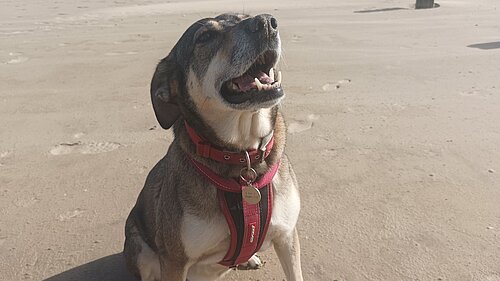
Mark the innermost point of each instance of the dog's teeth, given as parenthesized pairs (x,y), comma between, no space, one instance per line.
(234,86)
(278,81)
(259,85)
(271,74)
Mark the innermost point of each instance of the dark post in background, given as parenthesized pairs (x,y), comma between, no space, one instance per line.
(424,4)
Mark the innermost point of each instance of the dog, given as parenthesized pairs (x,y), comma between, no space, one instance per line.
(219,83)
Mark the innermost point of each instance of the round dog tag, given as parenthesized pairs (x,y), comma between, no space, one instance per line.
(251,194)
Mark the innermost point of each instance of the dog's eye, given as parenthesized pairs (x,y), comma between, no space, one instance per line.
(205,37)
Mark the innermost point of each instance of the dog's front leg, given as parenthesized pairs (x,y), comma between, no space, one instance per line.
(287,248)
(173,270)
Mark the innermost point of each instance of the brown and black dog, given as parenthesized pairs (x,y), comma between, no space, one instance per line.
(220,78)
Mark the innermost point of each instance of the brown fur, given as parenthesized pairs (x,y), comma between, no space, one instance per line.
(173,187)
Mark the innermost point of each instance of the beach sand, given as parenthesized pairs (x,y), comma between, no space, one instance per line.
(394,133)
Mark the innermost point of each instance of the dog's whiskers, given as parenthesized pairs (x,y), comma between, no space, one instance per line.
(282,58)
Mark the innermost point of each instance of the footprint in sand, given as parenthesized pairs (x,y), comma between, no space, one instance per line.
(26,202)
(4,155)
(334,86)
(16,58)
(84,148)
(78,135)
(120,53)
(301,125)
(71,214)
(474,92)
(296,38)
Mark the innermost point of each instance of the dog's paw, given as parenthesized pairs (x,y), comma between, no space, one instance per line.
(253,263)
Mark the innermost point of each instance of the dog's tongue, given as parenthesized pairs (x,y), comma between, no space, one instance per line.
(247,82)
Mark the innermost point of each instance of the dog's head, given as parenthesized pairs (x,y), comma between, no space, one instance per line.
(224,63)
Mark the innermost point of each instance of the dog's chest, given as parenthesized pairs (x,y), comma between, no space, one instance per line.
(207,240)
(286,209)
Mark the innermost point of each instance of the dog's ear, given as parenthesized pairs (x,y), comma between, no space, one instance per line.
(165,90)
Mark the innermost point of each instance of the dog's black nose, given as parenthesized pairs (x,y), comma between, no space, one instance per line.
(264,23)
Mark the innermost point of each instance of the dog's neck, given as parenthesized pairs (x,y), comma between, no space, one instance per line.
(243,130)
(206,128)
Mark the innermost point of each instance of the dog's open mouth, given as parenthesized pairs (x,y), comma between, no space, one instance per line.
(260,83)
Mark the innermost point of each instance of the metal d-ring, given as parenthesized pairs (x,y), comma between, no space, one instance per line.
(248,174)
(247,157)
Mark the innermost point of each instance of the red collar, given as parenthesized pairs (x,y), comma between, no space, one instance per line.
(207,150)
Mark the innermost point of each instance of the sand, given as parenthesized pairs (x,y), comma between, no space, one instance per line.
(394,134)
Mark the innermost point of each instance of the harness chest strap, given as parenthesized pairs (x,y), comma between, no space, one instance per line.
(248,223)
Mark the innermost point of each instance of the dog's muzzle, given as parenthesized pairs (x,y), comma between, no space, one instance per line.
(258,82)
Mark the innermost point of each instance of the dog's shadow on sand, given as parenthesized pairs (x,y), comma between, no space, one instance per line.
(110,268)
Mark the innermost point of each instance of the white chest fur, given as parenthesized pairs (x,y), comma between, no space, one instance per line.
(205,238)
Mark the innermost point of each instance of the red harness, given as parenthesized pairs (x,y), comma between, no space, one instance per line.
(248,223)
